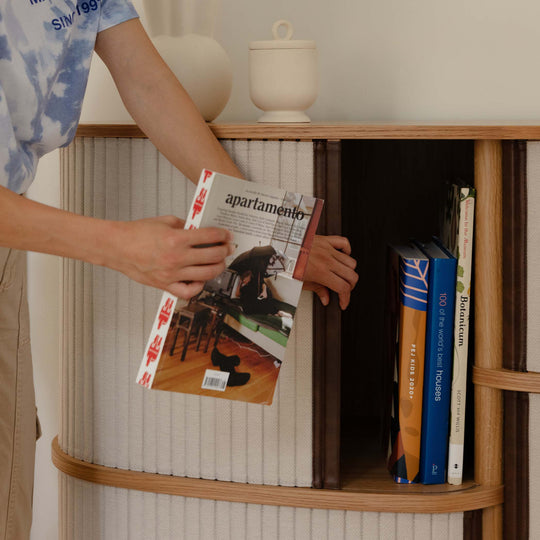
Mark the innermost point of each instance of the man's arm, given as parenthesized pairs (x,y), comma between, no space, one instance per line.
(164,111)
(158,102)
(157,252)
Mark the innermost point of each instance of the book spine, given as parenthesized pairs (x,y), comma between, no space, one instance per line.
(162,322)
(438,370)
(196,211)
(404,461)
(461,337)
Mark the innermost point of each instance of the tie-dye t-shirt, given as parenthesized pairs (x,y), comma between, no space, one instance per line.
(45,52)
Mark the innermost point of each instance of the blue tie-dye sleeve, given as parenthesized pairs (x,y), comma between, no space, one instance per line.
(114,12)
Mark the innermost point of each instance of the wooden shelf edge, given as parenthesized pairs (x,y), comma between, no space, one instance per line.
(336,131)
(472,498)
(507,379)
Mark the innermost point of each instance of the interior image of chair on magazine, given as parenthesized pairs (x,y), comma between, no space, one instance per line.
(192,319)
(257,268)
(266,330)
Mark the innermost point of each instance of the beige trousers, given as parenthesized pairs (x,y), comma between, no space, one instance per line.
(18,420)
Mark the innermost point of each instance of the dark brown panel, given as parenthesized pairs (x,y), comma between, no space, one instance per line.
(391,192)
(516,404)
(327,332)
(472,525)
(515,255)
(319,334)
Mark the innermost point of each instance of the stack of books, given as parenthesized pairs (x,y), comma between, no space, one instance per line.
(429,296)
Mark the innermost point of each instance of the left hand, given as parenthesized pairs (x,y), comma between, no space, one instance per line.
(330,267)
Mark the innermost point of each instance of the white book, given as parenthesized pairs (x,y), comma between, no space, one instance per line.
(457,236)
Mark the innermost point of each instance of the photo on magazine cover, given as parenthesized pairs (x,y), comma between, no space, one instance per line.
(230,340)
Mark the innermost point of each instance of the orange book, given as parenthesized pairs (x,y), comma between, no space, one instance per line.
(408,292)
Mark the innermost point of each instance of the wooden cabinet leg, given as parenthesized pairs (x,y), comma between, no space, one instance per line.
(488,324)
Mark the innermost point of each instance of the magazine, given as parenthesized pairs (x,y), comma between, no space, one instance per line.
(230,340)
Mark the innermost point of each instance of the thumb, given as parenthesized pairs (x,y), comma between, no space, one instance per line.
(185,290)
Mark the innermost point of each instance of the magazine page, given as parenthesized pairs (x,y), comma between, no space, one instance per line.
(230,340)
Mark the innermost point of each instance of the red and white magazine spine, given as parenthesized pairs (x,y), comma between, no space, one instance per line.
(156,342)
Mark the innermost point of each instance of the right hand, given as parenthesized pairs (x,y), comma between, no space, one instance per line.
(159,252)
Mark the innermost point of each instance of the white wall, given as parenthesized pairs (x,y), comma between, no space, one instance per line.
(380,60)
(389,60)
(43,297)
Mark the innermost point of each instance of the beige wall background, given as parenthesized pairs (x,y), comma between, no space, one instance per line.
(380,60)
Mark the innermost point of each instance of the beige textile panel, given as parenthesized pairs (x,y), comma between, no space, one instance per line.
(533,327)
(90,511)
(107,418)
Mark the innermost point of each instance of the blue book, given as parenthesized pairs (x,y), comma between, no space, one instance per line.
(438,363)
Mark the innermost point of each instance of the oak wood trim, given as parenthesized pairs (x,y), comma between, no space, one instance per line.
(471,498)
(337,131)
(488,324)
(507,379)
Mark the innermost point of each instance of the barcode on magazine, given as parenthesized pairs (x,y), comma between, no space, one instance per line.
(215,380)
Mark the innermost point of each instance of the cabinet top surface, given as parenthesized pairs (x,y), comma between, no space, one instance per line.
(339,130)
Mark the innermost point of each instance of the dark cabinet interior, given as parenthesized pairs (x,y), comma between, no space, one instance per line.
(389,192)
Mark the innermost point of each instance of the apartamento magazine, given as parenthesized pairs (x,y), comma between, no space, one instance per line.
(230,340)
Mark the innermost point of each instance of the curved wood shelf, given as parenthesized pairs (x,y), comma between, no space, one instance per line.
(470,497)
(506,379)
(336,131)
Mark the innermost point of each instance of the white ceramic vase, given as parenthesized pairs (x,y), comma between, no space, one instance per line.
(182,31)
(202,66)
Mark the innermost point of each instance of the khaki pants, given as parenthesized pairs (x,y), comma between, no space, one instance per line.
(18,420)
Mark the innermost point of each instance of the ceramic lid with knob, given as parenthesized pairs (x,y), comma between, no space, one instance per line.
(282,41)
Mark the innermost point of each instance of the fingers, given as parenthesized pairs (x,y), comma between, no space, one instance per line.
(209,235)
(322,292)
(342,284)
(185,290)
(330,267)
(344,300)
(339,242)
(199,273)
(208,255)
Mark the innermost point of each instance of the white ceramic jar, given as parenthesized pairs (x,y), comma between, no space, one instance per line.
(283,78)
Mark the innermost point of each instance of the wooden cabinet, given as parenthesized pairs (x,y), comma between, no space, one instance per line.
(380,184)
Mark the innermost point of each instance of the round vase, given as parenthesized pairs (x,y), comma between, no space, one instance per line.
(203,68)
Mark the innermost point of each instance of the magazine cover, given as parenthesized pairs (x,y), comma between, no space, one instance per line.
(230,340)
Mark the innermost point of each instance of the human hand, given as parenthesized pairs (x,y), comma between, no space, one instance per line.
(159,252)
(330,266)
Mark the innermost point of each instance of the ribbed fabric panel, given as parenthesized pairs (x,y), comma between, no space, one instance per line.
(92,512)
(533,254)
(108,419)
(533,326)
